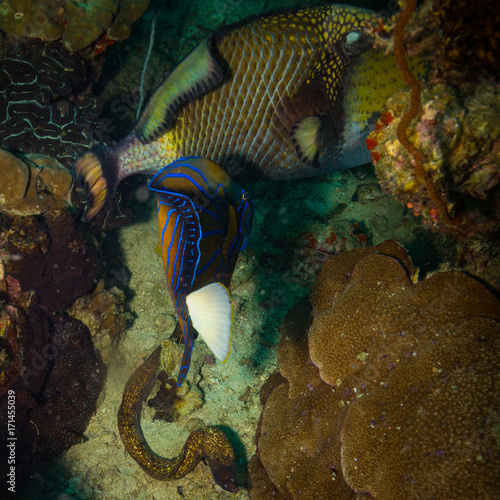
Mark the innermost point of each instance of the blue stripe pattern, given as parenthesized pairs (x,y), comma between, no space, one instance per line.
(204,220)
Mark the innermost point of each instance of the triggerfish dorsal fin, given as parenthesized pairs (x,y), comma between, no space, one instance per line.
(196,74)
(211,312)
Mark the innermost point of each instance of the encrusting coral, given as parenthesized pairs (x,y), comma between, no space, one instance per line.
(31,184)
(436,146)
(390,388)
(78,24)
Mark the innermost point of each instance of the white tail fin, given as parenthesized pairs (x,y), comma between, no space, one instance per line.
(211,312)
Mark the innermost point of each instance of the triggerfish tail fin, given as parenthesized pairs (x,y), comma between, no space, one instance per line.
(198,73)
(211,312)
(99,172)
(97,181)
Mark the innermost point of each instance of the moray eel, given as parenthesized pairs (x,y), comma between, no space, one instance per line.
(208,443)
(283,95)
(204,220)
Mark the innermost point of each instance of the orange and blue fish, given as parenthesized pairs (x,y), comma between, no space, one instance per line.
(204,220)
(283,95)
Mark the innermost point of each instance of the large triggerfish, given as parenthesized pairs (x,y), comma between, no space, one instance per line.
(204,220)
(277,96)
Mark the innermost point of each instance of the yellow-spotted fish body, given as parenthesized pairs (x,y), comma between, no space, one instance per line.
(204,220)
(264,98)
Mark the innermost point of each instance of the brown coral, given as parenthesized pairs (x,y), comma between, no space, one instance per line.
(450,389)
(78,24)
(32,184)
(408,393)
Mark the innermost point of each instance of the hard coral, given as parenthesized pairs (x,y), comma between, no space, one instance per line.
(25,18)
(391,392)
(450,390)
(45,105)
(31,184)
(78,24)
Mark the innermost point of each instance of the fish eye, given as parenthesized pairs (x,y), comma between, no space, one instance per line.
(354,43)
(245,196)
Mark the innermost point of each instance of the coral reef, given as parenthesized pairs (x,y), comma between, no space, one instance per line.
(79,24)
(436,146)
(103,312)
(460,39)
(47,260)
(32,184)
(56,375)
(45,103)
(458,134)
(46,106)
(388,387)
(54,256)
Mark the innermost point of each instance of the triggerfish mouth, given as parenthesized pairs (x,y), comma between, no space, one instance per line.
(204,220)
(283,95)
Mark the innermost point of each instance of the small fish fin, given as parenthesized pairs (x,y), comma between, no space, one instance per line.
(196,74)
(97,173)
(211,312)
(306,137)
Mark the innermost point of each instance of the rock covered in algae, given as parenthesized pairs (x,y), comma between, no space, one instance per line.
(391,392)
(102,311)
(458,134)
(78,24)
(31,184)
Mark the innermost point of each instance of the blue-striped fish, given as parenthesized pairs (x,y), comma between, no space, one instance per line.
(277,96)
(204,220)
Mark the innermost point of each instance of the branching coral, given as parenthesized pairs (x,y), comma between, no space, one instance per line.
(393,390)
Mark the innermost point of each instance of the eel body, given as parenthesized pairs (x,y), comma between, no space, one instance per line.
(208,443)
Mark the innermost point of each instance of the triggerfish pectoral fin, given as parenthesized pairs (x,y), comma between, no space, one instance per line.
(204,220)
(211,312)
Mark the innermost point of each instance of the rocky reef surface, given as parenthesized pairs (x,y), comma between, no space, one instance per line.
(387,387)
(81,305)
